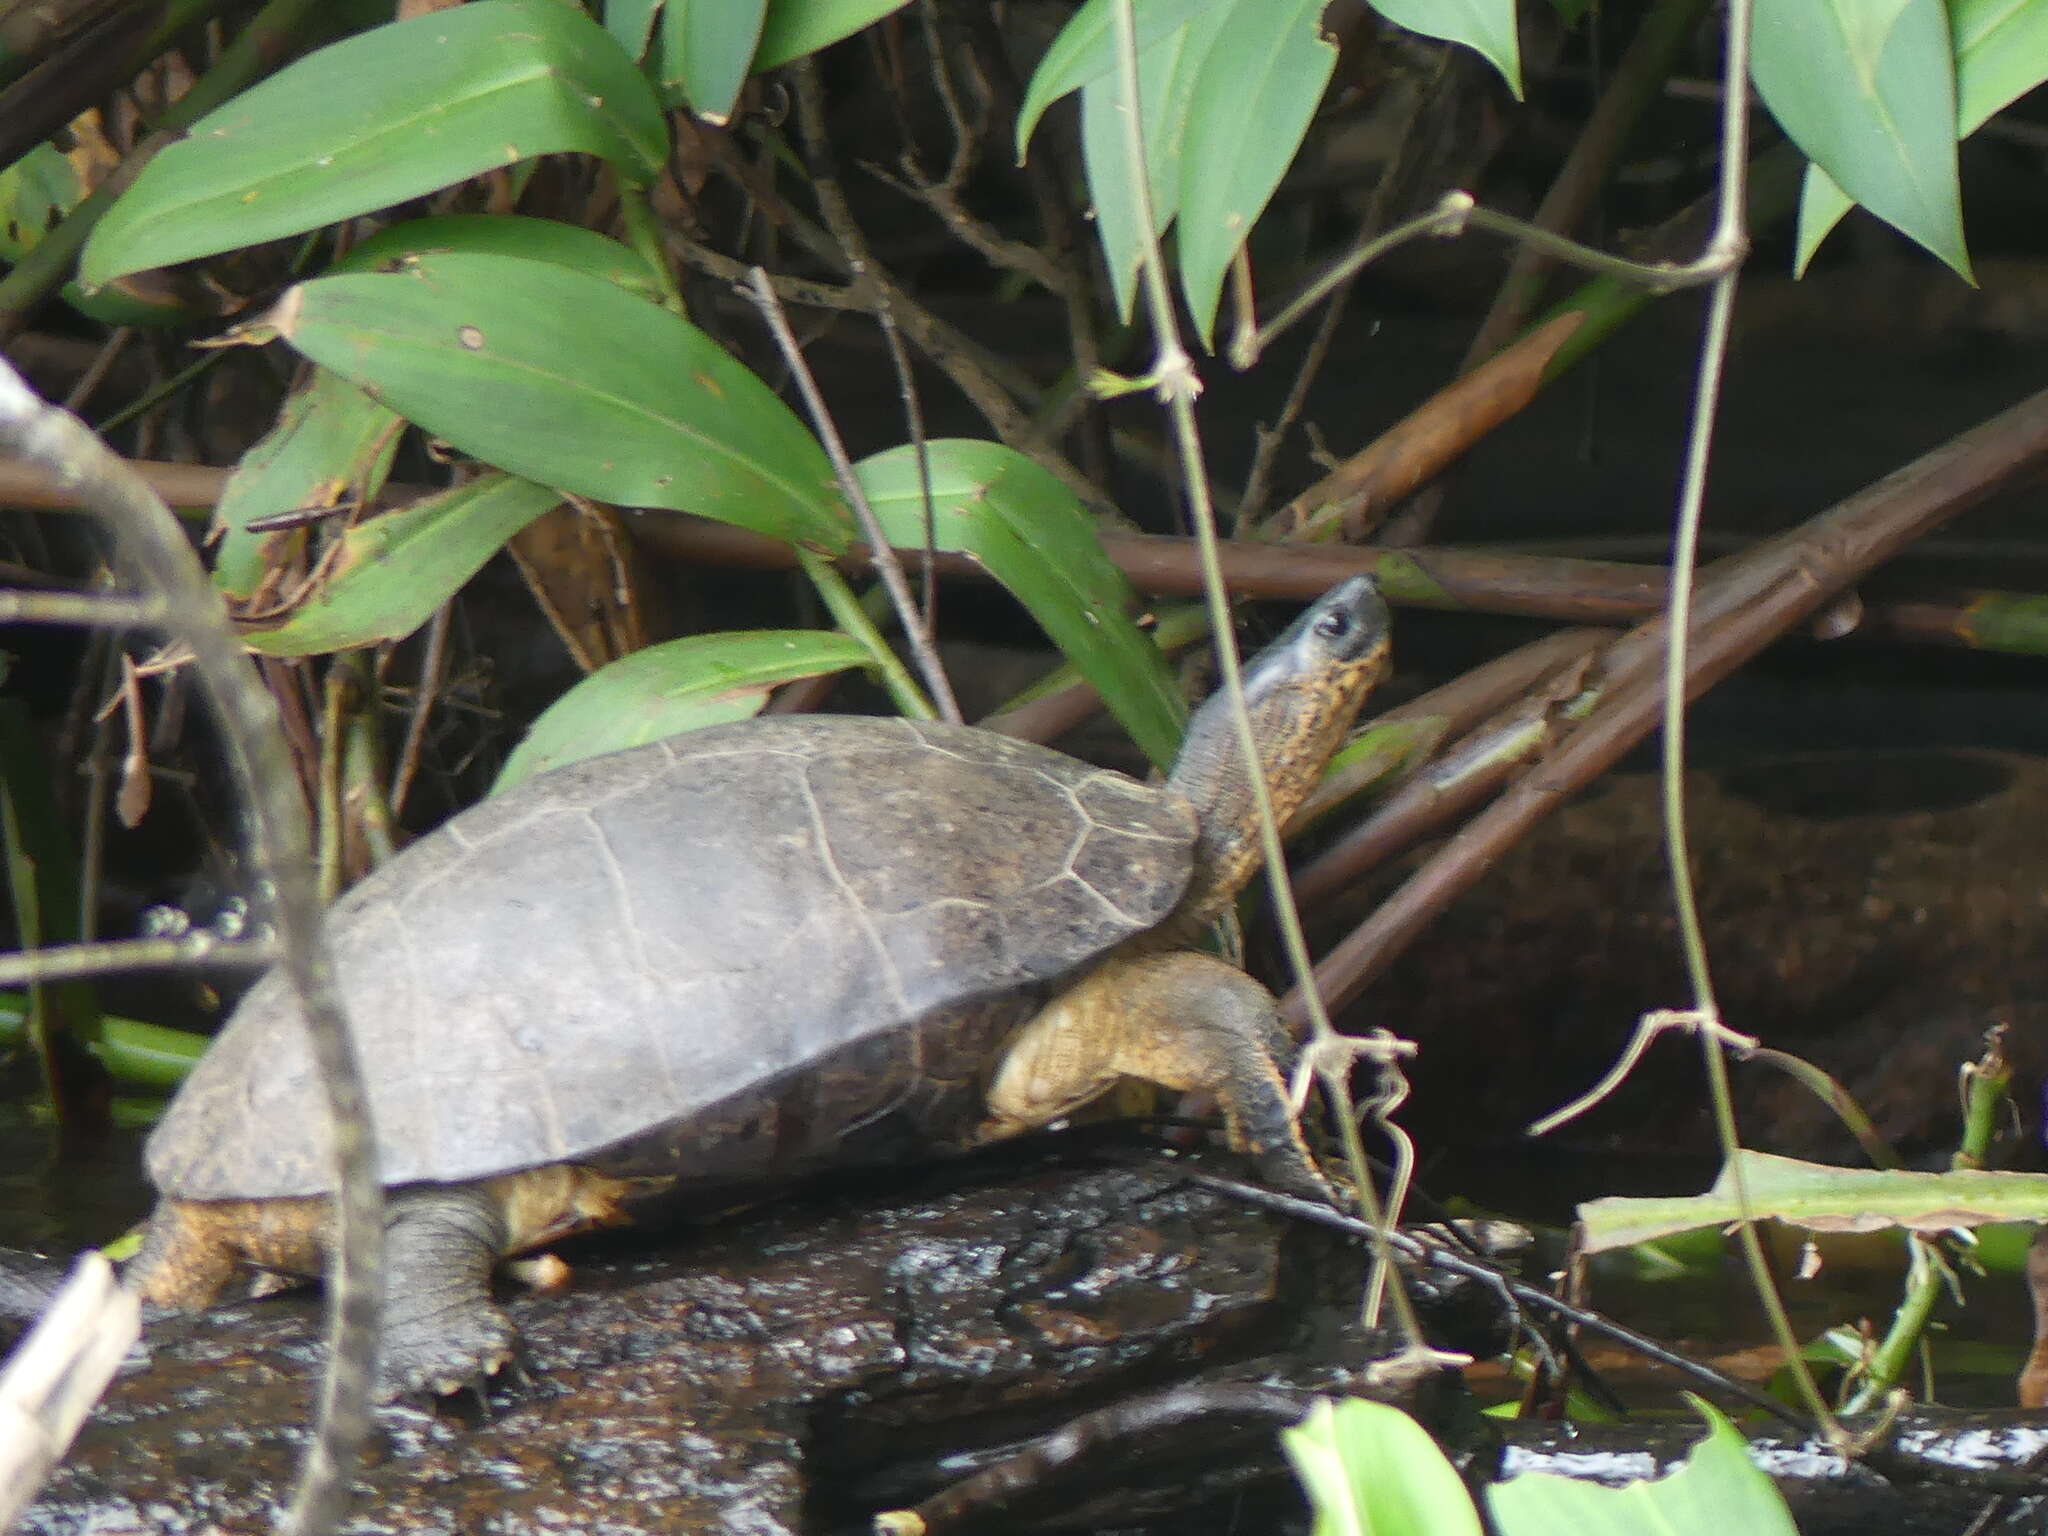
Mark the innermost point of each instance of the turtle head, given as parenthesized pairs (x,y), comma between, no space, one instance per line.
(1301,694)
(1321,669)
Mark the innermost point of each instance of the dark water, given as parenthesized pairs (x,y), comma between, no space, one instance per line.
(59,1204)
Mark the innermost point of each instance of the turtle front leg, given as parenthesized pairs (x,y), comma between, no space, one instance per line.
(442,1331)
(1183,1020)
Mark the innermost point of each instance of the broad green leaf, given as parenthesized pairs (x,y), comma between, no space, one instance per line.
(682,685)
(705,50)
(1370,1470)
(500,234)
(2001,53)
(561,377)
(382,117)
(1257,89)
(1824,1199)
(1085,50)
(1487,27)
(1039,541)
(2001,49)
(1866,89)
(794,28)
(1717,1491)
(393,570)
(631,22)
(332,443)
(1166,81)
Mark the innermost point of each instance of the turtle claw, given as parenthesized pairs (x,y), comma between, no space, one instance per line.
(460,1354)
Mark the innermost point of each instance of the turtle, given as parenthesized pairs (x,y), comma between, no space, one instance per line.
(689,973)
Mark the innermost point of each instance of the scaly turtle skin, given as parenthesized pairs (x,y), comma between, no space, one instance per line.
(702,968)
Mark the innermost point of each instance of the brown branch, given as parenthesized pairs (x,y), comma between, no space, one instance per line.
(1584,591)
(1606,304)
(433,673)
(1453,580)
(1361,490)
(999,251)
(1749,601)
(791,290)
(1480,705)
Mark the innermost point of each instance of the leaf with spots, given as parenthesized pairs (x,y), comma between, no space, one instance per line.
(561,376)
(386,575)
(332,444)
(504,234)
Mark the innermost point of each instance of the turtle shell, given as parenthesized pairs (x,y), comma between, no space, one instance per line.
(611,947)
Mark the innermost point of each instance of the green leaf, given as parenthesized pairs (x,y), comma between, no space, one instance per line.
(332,443)
(565,245)
(1166,81)
(1823,1199)
(1866,89)
(36,192)
(376,119)
(1085,50)
(682,685)
(1370,1470)
(393,570)
(705,51)
(1039,541)
(135,1054)
(1718,1490)
(2001,53)
(794,28)
(631,22)
(1821,207)
(1487,27)
(1256,91)
(2001,49)
(561,377)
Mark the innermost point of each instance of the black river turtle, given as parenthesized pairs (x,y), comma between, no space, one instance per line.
(699,968)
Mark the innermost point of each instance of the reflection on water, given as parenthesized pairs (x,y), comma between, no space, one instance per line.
(58,1205)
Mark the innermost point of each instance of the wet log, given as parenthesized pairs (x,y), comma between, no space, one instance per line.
(768,1375)
(799,1368)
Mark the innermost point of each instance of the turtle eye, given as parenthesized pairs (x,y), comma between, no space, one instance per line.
(1334,626)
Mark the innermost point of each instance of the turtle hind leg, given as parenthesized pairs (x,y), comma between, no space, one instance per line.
(193,1249)
(180,1263)
(442,1330)
(1183,1020)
